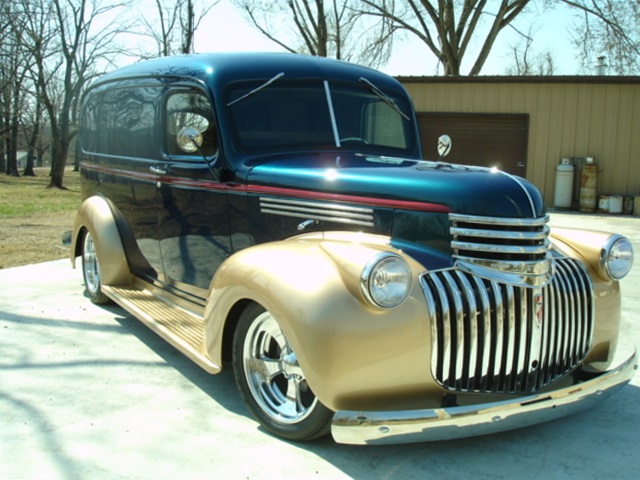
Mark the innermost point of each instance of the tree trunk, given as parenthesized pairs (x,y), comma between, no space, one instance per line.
(12,160)
(28,168)
(32,142)
(59,150)
(3,163)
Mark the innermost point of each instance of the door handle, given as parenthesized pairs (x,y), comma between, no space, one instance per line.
(158,169)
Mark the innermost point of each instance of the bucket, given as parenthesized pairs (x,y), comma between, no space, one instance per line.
(615,204)
(603,203)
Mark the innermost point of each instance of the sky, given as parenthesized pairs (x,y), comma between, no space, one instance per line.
(225,29)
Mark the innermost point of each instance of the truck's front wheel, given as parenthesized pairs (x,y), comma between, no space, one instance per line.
(271,381)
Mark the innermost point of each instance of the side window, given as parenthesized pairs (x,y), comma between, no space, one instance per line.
(89,126)
(122,122)
(189,121)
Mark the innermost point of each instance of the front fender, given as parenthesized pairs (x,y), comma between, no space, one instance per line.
(586,246)
(350,351)
(96,216)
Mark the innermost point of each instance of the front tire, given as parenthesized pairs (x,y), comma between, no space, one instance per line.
(271,382)
(91,272)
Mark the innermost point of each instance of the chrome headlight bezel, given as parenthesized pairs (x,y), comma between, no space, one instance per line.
(616,257)
(386,281)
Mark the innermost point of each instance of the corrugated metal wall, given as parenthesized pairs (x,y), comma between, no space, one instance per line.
(568,117)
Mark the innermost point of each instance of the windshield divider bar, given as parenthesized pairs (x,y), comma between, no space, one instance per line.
(332,114)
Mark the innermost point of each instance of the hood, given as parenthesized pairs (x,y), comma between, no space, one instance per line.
(458,188)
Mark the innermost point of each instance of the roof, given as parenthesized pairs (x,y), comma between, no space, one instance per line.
(221,68)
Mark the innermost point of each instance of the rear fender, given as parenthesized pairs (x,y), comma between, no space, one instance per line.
(96,216)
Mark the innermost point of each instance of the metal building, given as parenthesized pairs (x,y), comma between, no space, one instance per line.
(526,125)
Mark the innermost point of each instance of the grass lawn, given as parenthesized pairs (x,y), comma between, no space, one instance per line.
(34,217)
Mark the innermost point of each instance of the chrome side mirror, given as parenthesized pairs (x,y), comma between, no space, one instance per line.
(444,146)
(189,139)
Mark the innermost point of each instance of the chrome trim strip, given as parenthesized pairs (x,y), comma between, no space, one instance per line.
(506,235)
(513,222)
(482,247)
(411,426)
(514,273)
(329,212)
(512,250)
(526,192)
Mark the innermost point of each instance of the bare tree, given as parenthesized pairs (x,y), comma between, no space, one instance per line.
(331,28)
(66,39)
(14,67)
(174,28)
(610,28)
(527,62)
(32,131)
(457,29)
(450,27)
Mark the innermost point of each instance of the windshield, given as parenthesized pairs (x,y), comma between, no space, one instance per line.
(301,115)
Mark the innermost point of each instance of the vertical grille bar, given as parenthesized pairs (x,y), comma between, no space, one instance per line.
(471,326)
(460,349)
(510,326)
(498,327)
(488,336)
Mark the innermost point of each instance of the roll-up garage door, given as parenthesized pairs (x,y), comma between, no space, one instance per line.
(488,140)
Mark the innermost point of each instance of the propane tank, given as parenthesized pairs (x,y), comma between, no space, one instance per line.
(564,184)
(588,185)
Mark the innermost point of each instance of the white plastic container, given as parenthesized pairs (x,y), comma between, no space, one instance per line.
(615,204)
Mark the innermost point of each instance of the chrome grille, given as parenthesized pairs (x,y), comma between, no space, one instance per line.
(516,249)
(494,337)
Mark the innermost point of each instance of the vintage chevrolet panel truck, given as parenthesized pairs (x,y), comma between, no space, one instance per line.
(273,211)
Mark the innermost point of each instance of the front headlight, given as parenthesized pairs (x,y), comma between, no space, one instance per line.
(386,281)
(616,257)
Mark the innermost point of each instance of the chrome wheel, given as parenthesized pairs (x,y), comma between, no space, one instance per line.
(91,271)
(273,374)
(271,381)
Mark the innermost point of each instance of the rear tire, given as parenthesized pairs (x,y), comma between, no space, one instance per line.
(271,382)
(91,272)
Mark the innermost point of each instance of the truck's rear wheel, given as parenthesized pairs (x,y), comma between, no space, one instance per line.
(91,272)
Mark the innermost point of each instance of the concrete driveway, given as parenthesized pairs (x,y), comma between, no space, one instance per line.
(88,392)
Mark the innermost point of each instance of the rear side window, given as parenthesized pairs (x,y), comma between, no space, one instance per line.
(121,122)
(189,116)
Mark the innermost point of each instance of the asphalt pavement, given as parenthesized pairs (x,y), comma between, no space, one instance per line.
(88,392)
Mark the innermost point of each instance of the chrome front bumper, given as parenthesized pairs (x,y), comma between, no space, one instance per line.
(412,426)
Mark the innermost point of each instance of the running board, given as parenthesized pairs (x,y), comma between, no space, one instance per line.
(181,328)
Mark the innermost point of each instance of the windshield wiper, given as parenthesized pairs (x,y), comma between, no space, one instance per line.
(256,90)
(370,86)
